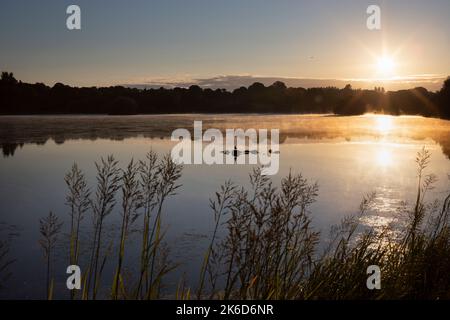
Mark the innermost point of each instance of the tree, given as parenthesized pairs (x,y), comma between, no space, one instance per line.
(256,87)
(444,99)
(8,78)
(279,85)
(24,98)
(123,106)
(348,88)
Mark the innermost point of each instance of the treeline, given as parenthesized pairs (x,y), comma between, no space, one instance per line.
(17,97)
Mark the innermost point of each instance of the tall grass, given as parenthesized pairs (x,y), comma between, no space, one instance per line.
(108,183)
(131,202)
(49,228)
(169,173)
(144,187)
(263,245)
(270,250)
(220,207)
(7,234)
(78,201)
(149,173)
(414,258)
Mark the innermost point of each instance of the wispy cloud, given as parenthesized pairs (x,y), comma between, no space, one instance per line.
(432,82)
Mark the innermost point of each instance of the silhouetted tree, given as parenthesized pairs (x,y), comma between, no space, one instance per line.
(123,106)
(444,99)
(8,78)
(23,98)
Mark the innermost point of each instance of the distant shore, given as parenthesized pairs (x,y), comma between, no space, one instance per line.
(18,98)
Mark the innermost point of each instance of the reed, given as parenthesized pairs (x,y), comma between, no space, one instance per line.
(149,174)
(262,245)
(78,200)
(169,174)
(108,183)
(144,186)
(7,234)
(131,203)
(270,250)
(220,207)
(412,255)
(49,228)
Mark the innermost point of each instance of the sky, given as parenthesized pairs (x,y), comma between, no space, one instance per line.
(229,42)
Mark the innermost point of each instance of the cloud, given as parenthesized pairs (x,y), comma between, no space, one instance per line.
(231,82)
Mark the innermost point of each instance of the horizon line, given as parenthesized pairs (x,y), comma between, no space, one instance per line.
(432,82)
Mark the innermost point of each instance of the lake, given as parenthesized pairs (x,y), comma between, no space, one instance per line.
(348,157)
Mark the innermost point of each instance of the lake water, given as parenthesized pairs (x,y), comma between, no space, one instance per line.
(348,157)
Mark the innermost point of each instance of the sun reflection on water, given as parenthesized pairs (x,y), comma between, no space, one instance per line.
(384,157)
(384,124)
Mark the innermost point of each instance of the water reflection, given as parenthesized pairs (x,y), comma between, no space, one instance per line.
(15,131)
(348,157)
(384,157)
(384,124)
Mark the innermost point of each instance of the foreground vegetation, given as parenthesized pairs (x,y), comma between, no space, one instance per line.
(267,248)
(271,250)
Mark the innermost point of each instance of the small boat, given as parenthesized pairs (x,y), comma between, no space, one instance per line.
(235,152)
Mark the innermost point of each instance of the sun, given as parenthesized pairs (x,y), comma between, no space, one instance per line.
(385,66)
